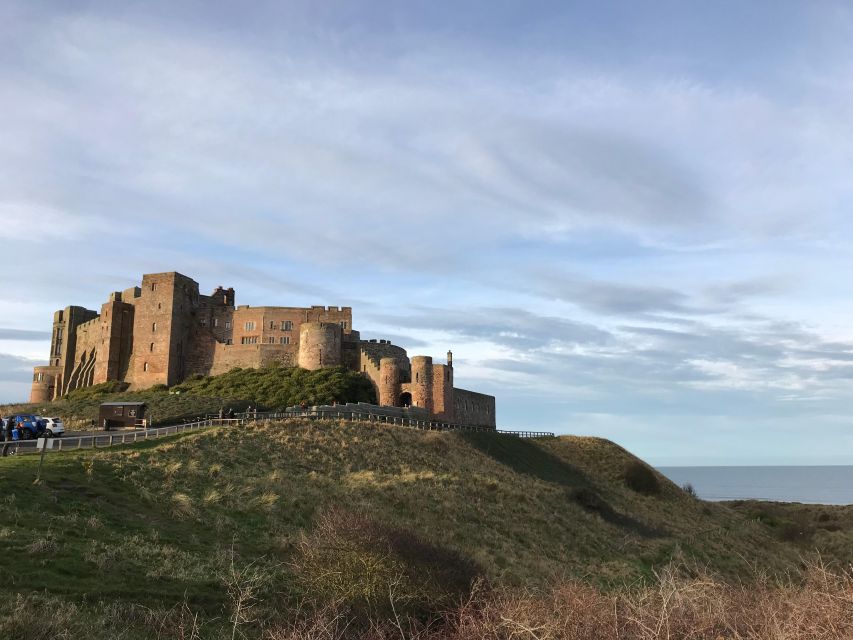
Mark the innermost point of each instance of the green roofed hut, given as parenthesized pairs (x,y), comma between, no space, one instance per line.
(115,415)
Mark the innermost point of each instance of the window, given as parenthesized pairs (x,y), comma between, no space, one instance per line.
(153,286)
(286,325)
(249,340)
(272,324)
(284,340)
(203,322)
(249,326)
(153,327)
(145,366)
(151,347)
(271,339)
(344,325)
(216,322)
(227,324)
(229,341)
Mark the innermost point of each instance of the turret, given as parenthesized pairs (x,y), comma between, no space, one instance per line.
(389,382)
(421,385)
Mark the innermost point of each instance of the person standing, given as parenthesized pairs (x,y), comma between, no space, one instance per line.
(7,435)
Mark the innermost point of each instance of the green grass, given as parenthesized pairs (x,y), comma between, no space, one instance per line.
(267,388)
(166,522)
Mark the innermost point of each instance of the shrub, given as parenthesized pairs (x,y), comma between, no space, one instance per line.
(374,569)
(689,490)
(638,477)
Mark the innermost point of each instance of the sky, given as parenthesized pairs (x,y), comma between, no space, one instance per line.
(628,220)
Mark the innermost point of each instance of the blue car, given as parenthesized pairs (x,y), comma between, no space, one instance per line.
(27,426)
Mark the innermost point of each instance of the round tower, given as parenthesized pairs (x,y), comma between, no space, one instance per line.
(44,385)
(320,345)
(422,382)
(389,382)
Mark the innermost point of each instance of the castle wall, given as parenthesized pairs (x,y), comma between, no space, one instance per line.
(86,339)
(472,408)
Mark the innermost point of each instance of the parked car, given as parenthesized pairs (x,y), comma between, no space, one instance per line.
(54,427)
(30,425)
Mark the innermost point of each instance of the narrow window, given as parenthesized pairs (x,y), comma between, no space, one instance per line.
(145,367)
(151,347)
(227,324)
(153,327)
(344,325)
(153,286)
(216,322)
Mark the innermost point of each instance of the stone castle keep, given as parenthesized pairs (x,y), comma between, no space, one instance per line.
(164,331)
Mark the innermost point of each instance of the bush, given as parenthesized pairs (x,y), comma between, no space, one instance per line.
(374,569)
(638,477)
(689,490)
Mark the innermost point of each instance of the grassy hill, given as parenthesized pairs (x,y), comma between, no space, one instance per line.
(267,388)
(246,524)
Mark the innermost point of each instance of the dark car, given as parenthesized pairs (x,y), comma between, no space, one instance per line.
(29,425)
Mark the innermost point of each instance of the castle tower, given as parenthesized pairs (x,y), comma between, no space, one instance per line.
(442,389)
(44,384)
(389,382)
(161,325)
(320,345)
(421,385)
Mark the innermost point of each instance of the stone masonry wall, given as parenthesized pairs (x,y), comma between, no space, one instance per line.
(472,408)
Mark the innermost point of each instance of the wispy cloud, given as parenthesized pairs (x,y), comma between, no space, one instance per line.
(589,207)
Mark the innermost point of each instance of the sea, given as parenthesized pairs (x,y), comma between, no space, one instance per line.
(812,485)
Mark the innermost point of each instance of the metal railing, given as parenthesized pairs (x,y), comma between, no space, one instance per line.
(366,415)
(107,439)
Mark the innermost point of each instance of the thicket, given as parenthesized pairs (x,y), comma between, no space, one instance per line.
(681,603)
(268,388)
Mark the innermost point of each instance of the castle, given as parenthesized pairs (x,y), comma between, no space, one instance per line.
(164,331)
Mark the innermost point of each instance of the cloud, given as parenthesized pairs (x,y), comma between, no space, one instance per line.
(610,227)
(509,327)
(23,334)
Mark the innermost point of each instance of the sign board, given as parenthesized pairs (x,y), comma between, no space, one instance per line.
(44,443)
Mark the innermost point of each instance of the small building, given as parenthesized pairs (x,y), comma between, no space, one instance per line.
(114,415)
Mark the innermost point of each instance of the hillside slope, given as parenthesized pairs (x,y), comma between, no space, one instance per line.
(333,510)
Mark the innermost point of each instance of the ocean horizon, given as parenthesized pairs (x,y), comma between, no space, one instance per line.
(809,484)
